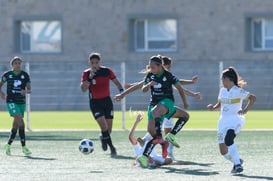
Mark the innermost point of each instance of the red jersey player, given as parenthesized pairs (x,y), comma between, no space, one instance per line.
(96,79)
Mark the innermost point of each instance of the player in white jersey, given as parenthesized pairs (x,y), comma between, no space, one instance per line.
(139,145)
(231,120)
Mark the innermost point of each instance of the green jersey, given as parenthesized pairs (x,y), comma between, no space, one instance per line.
(163,89)
(15,83)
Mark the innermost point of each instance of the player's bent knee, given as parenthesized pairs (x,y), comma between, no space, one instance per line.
(229,138)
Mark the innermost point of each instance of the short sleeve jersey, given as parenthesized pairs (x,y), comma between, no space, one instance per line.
(231,101)
(163,89)
(99,83)
(15,83)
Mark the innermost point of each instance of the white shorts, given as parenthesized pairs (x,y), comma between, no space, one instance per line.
(225,123)
(168,123)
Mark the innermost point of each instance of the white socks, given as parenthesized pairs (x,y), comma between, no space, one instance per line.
(233,152)
(170,148)
(228,156)
(147,137)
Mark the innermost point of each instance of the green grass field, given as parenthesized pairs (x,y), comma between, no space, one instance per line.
(84,120)
(55,156)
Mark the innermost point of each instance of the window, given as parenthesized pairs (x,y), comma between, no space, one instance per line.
(40,36)
(155,34)
(262,34)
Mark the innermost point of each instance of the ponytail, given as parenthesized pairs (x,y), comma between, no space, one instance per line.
(233,76)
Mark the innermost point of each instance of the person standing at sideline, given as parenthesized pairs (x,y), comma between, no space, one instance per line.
(96,79)
(18,85)
(231,120)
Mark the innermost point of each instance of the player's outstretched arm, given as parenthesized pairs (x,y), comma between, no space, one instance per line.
(187,82)
(214,107)
(131,89)
(182,95)
(197,95)
(132,138)
(250,103)
(147,86)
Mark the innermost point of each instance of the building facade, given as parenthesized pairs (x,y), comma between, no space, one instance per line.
(54,36)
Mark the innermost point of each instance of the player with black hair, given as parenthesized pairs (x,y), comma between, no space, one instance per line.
(231,120)
(96,79)
(18,85)
(160,82)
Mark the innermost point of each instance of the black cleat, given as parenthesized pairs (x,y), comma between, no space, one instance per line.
(103,144)
(237,169)
(113,151)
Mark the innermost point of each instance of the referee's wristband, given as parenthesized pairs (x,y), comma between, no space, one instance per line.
(121,90)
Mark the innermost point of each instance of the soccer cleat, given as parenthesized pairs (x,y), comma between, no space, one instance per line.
(26,151)
(113,151)
(171,138)
(143,161)
(238,168)
(164,147)
(103,144)
(7,148)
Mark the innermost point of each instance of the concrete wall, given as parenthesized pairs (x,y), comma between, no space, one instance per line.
(209,31)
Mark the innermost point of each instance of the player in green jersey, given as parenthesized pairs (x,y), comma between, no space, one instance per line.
(160,82)
(18,85)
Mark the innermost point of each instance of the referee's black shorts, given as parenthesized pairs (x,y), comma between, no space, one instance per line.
(102,107)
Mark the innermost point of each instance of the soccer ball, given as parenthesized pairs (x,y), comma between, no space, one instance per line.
(86,146)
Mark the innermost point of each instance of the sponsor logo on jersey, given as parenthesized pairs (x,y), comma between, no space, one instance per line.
(157,86)
(17,83)
(10,76)
(22,77)
(230,101)
(164,79)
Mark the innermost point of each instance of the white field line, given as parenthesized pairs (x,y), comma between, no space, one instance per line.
(52,130)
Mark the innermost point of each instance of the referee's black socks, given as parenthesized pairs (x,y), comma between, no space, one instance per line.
(107,138)
(179,125)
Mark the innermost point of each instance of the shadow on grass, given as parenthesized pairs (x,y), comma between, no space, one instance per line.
(40,158)
(191,163)
(96,171)
(199,172)
(123,157)
(254,177)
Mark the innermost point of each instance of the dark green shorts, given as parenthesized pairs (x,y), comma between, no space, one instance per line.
(14,108)
(168,103)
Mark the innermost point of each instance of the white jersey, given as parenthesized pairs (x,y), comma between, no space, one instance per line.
(231,103)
